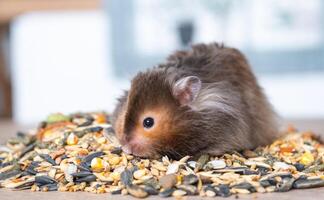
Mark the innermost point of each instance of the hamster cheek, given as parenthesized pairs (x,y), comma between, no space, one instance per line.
(119,127)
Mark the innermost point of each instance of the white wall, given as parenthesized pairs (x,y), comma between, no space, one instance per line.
(296,95)
(61,63)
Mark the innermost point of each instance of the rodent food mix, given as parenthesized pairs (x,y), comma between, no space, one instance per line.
(79,152)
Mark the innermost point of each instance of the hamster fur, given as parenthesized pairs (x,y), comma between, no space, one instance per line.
(204,100)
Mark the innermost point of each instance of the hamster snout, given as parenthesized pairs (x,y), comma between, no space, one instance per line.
(136,145)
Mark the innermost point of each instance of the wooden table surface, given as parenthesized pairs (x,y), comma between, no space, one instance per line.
(9,9)
(8,129)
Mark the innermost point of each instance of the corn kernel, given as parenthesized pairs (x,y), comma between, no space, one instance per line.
(307,158)
(179,178)
(101,118)
(97,164)
(72,139)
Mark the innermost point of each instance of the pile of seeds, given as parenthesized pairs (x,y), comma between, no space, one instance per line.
(80,153)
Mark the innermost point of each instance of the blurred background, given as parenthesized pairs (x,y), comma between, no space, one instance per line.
(78,55)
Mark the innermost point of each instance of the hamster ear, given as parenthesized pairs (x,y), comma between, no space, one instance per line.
(186,89)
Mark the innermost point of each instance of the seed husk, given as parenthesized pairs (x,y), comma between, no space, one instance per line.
(190,179)
(286,185)
(137,191)
(173,168)
(9,174)
(126,177)
(314,169)
(43,180)
(31,168)
(48,158)
(117,150)
(245,185)
(239,170)
(27,149)
(24,186)
(150,190)
(84,167)
(152,182)
(88,122)
(118,191)
(216,164)
(210,193)
(308,183)
(87,179)
(190,189)
(203,159)
(93,129)
(266,183)
(89,157)
(300,167)
(168,181)
(166,192)
(81,174)
(223,191)
(209,187)
(49,187)
(139,174)
(249,172)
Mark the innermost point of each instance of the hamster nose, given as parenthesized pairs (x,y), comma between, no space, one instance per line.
(127,149)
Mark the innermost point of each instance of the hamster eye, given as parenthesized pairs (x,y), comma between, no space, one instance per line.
(148,122)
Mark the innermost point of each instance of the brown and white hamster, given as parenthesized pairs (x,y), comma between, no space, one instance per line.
(204,100)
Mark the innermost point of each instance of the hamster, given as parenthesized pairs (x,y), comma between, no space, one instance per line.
(204,100)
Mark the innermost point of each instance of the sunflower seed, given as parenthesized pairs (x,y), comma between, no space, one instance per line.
(308,183)
(43,180)
(286,185)
(126,177)
(190,179)
(81,174)
(166,192)
(223,190)
(314,169)
(190,189)
(150,190)
(88,158)
(9,174)
(49,187)
(87,179)
(47,158)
